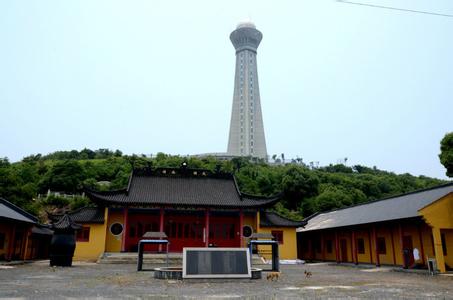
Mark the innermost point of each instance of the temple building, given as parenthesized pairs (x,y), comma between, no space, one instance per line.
(21,236)
(404,230)
(194,208)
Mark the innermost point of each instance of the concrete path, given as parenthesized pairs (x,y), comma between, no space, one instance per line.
(105,281)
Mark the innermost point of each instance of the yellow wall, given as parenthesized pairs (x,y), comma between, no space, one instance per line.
(427,240)
(369,255)
(328,256)
(364,257)
(386,230)
(102,240)
(449,243)
(347,237)
(95,246)
(249,220)
(323,238)
(439,213)
(113,242)
(287,250)
(386,234)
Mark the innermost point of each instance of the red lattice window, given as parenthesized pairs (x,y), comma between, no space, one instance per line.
(83,235)
(2,241)
(382,249)
(361,246)
(329,246)
(278,235)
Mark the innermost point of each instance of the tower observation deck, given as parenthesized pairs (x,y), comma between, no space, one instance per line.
(246,128)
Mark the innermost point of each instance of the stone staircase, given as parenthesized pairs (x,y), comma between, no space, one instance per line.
(131,258)
(153,258)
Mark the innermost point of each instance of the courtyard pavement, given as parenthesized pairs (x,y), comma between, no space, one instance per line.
(107,281)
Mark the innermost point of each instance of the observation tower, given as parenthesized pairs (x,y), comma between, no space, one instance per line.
(246,136)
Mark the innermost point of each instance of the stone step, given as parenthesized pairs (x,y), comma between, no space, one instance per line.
(154,258)
(131,258)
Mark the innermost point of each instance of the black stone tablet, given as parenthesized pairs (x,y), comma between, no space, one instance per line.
(216,263)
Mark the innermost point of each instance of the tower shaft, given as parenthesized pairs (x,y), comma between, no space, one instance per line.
(246,136)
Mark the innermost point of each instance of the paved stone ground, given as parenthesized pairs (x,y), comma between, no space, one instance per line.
(87,280)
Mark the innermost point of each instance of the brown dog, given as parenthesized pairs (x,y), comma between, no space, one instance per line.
(273,276)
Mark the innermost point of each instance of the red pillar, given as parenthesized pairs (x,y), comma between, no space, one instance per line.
(354,248)
(241,224)
(206,226)
(393,245)
(323,247)
(371,249)
(310,246)
(400,230)
(376,250)
(161,224)
(161,219)
(125,228)
(25,243)
(432,241)
(422,250)
(337,247)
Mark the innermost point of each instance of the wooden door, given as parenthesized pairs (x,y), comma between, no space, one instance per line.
(343,250)
(408,250)
(185,231)
(138,225)
(223,231)
(18,244)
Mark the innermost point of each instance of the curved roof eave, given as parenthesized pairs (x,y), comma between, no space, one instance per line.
(100,198)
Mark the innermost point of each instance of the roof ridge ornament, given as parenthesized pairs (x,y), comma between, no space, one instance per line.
(66,224)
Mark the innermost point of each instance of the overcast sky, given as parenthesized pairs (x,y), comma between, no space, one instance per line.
(336,80)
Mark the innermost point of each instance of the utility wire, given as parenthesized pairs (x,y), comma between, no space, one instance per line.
(395,8)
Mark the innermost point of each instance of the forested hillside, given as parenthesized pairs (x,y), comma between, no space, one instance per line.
(306,189)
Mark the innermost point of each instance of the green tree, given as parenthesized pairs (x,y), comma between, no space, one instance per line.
(298,183)
(446,153)
(87,154)
(333,197)
(306,190)
(64,176)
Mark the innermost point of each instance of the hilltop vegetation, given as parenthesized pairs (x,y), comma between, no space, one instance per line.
(446,153)
(306,189)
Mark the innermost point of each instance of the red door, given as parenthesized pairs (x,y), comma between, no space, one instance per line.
(344,250)
(18,244)
(408,250)
(223,231)
(185,231)
(138,225)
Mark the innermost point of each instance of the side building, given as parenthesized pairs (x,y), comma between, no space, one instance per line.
(404,230)
(21,236)
(195,208)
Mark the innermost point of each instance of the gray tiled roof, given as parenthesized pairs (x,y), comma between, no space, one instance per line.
(12,212)
(66,223)
(88,215)
(394,208)
(41,230)
(181,190)
(83,215)
(271,219)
